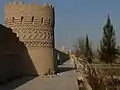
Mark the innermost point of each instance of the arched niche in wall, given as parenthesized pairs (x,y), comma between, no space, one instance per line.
(13,19)
(42,20)
(22,19)
(32,19)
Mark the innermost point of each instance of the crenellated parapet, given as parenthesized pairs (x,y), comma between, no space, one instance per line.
(18,13)
(33,8)
(31,5)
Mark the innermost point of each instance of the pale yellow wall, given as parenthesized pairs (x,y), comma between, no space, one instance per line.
(43,59)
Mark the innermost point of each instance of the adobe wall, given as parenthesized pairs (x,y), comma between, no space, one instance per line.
(34,25)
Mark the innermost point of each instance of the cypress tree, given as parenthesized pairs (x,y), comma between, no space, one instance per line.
(108,51)
(88,50)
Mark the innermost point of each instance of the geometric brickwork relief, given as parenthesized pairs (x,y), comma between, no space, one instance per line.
(38,43)
(33,25)
(32,35)
(35,37)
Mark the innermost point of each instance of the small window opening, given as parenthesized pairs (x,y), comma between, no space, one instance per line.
(41,20)
(32,19)
(22,19)
(49,21)
(13,19)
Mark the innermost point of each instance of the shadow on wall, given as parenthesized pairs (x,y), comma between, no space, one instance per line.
(61,57)
(15,61)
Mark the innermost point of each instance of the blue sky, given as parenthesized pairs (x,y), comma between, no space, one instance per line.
(76,18)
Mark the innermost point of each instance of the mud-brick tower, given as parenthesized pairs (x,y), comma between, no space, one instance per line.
(34,25)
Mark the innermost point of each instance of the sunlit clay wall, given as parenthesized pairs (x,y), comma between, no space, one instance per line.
(34,25)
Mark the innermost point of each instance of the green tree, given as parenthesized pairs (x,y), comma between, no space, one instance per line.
(108,51)
(88,50)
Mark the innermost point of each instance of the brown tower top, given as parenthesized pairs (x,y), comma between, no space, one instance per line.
(33,24)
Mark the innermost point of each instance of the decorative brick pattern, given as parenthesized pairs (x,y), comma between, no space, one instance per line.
(33,24)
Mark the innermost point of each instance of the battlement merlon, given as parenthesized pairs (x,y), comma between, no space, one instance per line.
(45,5)
(33,9)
